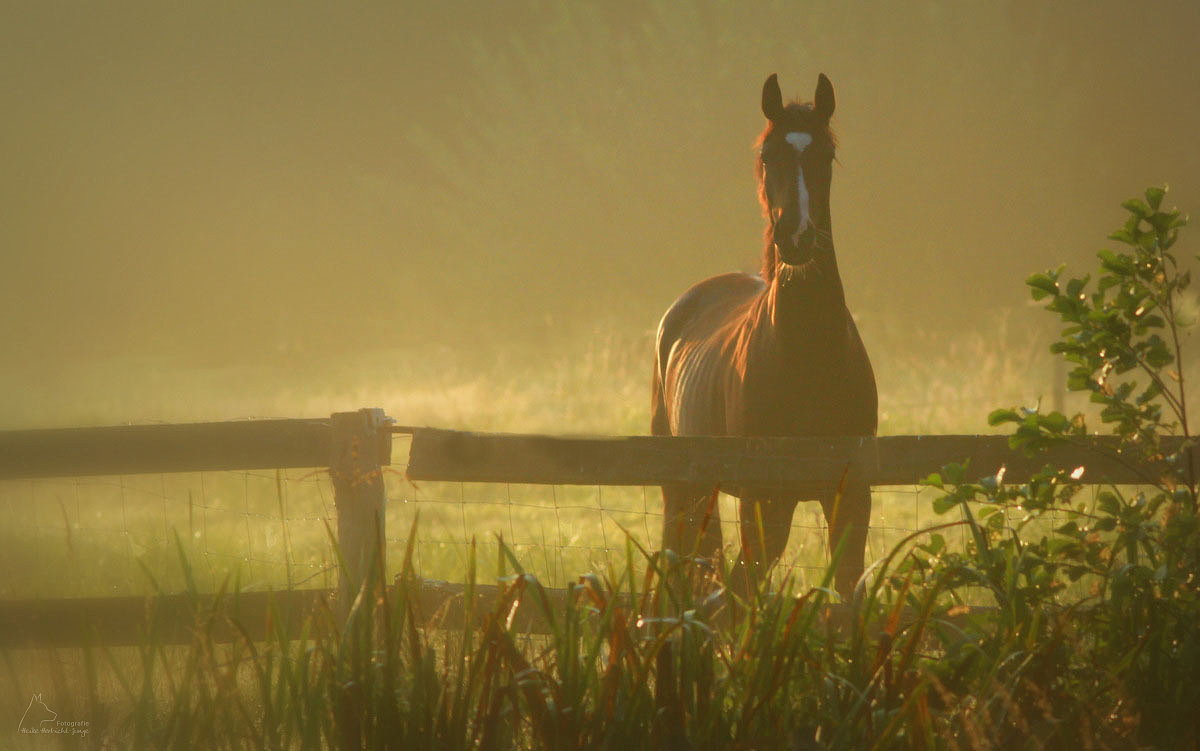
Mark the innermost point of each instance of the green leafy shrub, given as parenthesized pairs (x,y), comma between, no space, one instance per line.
(1098,621)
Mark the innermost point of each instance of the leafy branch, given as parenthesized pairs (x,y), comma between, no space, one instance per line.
(1123,576)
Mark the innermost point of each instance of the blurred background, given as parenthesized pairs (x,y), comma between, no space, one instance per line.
(218,210)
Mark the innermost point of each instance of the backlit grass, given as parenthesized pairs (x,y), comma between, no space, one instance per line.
(92,535)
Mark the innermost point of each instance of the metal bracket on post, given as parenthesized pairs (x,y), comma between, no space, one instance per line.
(361,447)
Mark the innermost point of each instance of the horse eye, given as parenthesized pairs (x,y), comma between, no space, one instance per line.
(769,154)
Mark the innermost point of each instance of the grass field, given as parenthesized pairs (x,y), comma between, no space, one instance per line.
(271,529)
(1089,638)
(86,536)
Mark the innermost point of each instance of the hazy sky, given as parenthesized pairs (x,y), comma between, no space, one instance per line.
(214,181)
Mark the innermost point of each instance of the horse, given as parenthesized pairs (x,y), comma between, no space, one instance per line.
(771,354)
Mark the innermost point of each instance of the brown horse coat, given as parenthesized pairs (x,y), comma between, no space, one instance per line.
(776,354)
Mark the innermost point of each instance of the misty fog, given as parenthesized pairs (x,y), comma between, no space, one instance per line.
(272,185)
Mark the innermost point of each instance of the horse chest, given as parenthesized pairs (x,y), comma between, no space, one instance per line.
(778,398)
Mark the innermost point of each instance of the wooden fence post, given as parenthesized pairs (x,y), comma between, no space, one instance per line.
(360,450)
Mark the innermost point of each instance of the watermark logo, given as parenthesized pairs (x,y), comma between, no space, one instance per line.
(40,718)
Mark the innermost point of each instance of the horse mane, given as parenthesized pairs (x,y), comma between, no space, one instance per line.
(799,114)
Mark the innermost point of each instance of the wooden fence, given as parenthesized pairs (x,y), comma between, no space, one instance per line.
(356,446)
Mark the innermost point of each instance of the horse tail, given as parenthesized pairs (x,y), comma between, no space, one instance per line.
(660,422)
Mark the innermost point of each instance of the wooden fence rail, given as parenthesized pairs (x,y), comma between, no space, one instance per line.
(145,449)
(260,616)
(355,446)
(796,465)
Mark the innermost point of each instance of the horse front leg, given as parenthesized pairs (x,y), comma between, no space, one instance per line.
(691,530)
(764,526)
(848,516)
(691,521)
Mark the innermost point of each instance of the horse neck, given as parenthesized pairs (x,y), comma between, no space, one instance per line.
(806,302)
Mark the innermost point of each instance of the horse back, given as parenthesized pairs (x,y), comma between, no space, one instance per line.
(721,369)
(695,350)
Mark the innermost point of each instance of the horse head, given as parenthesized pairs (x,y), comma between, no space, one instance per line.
(794,170)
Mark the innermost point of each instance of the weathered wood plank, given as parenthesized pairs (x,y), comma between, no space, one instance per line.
(136,449)
(261,616)
(361,502)
(163,619)
(801,465)
(174,618)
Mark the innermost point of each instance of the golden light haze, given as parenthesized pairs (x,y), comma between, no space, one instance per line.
(199,185)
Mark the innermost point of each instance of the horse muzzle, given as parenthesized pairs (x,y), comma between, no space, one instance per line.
(796,248)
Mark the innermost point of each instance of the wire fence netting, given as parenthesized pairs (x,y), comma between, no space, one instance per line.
(262,530)
(133,534)
(119,535)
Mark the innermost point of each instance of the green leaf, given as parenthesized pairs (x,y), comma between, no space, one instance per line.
(1055,422)
(1154,196)
(1120,264)
(944,503)
(1152,391)
(1108,503)
(1043,285)
(1075,286)
(1080,379)
(1000,416)
(954,473)
(1070,529)
(1123,235)
(1151,322)
(1137,207)
(1158,354)
(1161,221)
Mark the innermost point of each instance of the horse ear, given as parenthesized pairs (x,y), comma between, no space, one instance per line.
(823,100)
(772,99)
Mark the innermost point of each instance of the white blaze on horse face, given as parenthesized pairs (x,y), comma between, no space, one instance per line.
(800,142)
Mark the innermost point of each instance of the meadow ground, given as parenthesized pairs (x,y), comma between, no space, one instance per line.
(271,529)
(91,536)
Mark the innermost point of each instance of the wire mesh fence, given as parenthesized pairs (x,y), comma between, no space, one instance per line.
(133,534)
(258,530)
(275,530)
(560,532)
